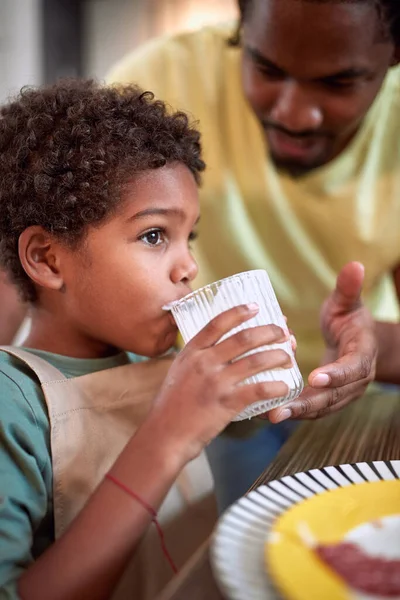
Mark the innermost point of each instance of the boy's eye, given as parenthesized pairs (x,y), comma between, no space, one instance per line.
(153,237)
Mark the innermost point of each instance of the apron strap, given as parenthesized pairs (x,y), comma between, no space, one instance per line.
(43,370)
(46,373)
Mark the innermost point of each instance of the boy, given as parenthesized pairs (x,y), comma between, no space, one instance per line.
(98,204)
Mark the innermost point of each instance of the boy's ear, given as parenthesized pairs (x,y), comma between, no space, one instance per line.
(39,258)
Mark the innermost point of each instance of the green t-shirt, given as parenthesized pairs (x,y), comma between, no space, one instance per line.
(26,493)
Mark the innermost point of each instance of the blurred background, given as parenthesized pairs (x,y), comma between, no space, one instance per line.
(42,40)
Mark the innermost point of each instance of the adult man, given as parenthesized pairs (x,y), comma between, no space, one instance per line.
(300,120)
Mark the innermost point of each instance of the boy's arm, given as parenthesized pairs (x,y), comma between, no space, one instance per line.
(97,547)
(149,467)
(198,398)
(25,486)
(25,478)
(12,311)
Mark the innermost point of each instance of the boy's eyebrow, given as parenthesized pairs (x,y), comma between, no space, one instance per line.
(158,211)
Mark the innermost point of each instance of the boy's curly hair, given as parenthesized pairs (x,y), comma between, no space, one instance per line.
(65,151)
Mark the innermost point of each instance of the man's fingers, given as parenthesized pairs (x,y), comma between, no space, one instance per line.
(348,287)
(314,403)
(346,370)
(353,392)
(310,401)
(326,411)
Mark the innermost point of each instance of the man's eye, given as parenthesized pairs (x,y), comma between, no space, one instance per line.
(155,237)
(269,74)
(340,84)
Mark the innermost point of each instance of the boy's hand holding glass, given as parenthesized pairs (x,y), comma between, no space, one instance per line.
(202,393)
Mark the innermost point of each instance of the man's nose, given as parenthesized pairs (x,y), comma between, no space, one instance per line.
(295,110)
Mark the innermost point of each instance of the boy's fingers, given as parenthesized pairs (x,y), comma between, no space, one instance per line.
(258,362)
(222,324)
(249,339)
(257,392)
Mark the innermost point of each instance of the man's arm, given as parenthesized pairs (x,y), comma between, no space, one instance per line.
(388,334)
(12,311)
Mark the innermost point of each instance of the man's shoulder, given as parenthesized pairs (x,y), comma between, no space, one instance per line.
(178,49)
(386,126)
(391,91)
(394,77)
(219,34)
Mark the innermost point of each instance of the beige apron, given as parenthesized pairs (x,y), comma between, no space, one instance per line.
(91,419)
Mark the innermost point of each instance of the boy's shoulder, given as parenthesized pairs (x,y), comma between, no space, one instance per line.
(20,391)
(14,369)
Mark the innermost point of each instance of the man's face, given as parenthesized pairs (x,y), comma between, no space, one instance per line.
(310,72)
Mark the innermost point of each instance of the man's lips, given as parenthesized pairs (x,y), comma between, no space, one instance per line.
(291,146)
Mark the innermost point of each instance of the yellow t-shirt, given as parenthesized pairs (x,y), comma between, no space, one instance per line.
(302,231)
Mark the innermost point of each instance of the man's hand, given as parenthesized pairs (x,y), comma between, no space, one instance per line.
(349,333)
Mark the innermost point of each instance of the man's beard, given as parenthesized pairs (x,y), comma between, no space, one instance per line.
(294,167)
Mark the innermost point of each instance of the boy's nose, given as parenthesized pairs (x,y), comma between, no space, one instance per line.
(184,271)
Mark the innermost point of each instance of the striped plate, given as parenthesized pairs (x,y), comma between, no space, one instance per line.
(237,551)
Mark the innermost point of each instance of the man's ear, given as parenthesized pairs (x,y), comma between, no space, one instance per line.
(39,258)
(396,57)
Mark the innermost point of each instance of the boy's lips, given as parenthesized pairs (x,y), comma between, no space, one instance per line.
(168,306)
(172,320)
(167,311)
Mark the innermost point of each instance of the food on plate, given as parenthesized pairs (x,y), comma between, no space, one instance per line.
(339,545)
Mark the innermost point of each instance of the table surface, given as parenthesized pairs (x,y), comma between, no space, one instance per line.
(368,430)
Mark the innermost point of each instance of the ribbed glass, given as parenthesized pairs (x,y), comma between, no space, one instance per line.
(194,311)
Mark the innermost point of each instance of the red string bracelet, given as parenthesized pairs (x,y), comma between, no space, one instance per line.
(150,510)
